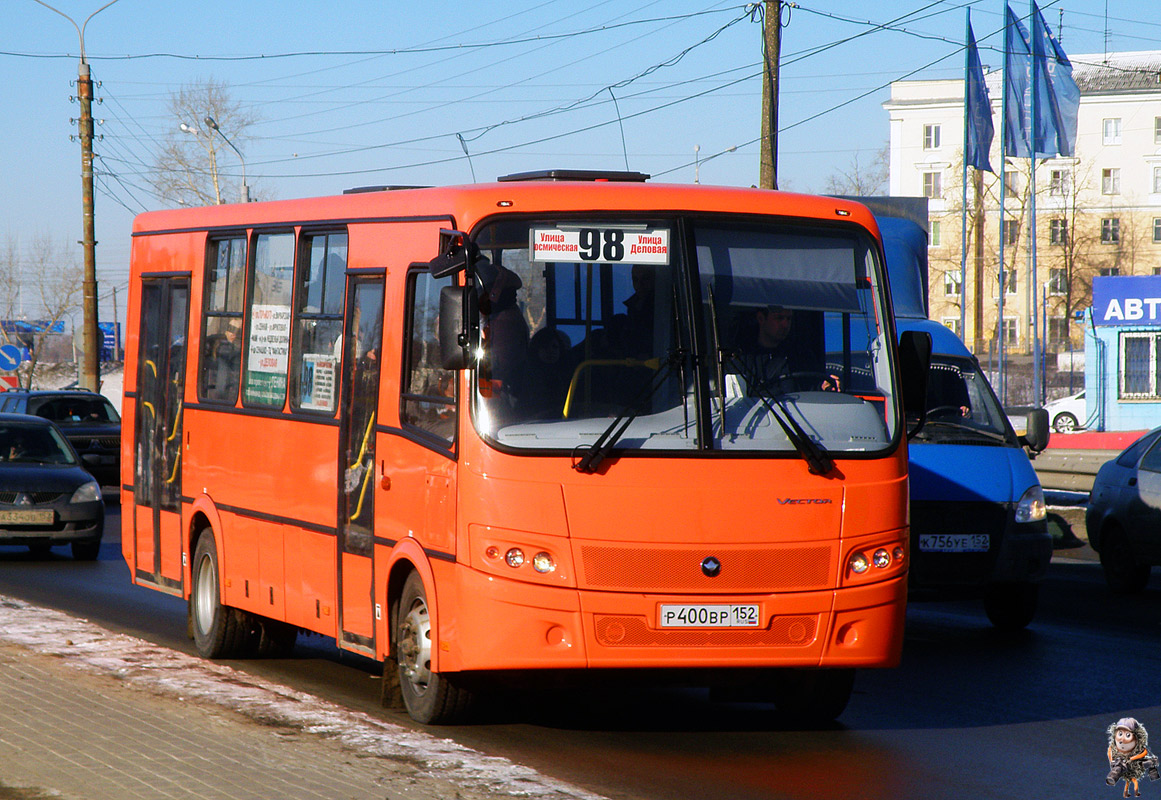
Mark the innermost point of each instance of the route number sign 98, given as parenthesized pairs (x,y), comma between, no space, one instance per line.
(612,245)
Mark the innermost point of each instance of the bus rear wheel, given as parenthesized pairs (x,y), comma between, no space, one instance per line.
(431,698)
(218,631)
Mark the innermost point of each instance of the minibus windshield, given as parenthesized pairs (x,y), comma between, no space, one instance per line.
(961,407)
(697,334)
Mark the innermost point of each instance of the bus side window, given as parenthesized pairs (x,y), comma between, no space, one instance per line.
(428,401)
(222,320)
(314,365)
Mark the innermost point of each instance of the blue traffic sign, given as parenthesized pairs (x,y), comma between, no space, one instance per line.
(10,357)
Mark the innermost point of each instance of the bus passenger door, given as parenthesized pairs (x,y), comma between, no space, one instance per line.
(362,337)
(158,432)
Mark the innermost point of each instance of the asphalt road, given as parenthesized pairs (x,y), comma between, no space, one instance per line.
(970,714)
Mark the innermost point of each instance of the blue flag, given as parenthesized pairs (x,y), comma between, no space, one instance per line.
(1058,96)
(977,109)
(1017,76)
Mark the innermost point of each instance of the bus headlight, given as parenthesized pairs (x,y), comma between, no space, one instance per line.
(514,557)
(859,563)
(1031,507)
(542,562)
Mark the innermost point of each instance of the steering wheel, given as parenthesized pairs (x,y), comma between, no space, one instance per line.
(945,411)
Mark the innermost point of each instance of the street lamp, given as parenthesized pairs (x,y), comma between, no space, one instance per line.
(697,163)
(90,377)
(213,125)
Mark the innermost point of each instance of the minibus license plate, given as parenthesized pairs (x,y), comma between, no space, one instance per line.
(954,543)
(710,616)
(29,517)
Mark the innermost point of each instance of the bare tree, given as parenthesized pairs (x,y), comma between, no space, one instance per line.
(196,166)
(862,180)
(44,278)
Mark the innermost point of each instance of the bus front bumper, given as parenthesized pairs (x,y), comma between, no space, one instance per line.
(504,625)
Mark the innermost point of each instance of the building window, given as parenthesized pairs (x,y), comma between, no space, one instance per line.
(933,185)
(1011,184)
(931,137)
(1011,231)
(1111,230)
(1008,277)
(1058,183)
(951,284)
(1156,180)
(1157,230)
(1058,333)
(1109,272)
(935,233)
(952,324)
(1057,280)
(1057,231)
(1111,181)
(1112,131)
(1010,333)
(1139,366)
(1156,130)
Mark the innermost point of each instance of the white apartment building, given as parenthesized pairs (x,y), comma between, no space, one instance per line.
(1098,213)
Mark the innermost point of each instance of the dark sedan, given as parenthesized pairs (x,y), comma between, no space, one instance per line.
(46,497)
(1124,514)
(90,422)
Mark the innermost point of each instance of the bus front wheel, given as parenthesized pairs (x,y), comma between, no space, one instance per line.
(430,697)
(218,631)
(813,696)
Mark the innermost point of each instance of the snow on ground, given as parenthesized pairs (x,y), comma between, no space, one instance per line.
(169,672)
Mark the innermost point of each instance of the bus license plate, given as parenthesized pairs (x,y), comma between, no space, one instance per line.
(29,517)
(954,543)
(710,616)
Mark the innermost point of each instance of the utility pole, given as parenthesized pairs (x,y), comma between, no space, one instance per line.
(771,50)
(90,377)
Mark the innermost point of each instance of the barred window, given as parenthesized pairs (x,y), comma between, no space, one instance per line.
(1140,371)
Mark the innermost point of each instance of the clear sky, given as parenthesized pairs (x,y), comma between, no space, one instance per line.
(355,93)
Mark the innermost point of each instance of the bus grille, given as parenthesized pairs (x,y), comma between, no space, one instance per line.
(624,631)
(679,569)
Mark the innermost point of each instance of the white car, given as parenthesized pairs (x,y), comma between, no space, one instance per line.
(1068,413)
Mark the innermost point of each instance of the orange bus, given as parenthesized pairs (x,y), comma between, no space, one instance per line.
(564,421)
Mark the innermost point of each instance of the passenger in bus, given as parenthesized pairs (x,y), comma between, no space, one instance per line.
(543,385)
(776,361)
(505,329)
(225,359)
(637,334)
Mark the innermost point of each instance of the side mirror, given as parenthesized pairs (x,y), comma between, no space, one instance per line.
(1035,438)
(457,253)
(458,326)
(914,365)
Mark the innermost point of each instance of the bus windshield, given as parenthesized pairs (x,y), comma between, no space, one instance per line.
(682,334)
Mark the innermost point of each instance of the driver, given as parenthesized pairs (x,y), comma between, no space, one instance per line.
(774,356)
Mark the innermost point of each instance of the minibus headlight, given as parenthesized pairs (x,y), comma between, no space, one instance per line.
(542,562)
(1031,507)
(514,557)
(858,563)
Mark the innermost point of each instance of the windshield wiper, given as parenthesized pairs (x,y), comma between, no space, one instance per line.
(818,460)
(599,450)
(960,426)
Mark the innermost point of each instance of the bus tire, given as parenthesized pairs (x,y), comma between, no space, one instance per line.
(813,697)
(1011,606)
(431,698)
(276,639)
(218,631)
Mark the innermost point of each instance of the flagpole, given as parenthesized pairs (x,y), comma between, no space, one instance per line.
(1003,192)
(1033,112)
(963,210)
